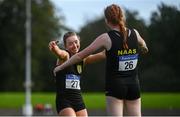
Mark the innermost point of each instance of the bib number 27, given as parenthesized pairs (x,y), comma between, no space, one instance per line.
(72,81)
(74,84)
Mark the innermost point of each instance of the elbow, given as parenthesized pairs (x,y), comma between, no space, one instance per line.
(81,56)
(144,50)
(147,49)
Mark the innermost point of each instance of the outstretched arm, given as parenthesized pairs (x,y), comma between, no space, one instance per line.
(100,42)
(95,57)
(61,54)
(142,43)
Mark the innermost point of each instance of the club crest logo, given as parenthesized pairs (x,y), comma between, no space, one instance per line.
(79,69)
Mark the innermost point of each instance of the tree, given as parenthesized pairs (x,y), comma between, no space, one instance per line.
(45,26)
(165,54)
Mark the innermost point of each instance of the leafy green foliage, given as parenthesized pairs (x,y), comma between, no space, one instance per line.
(45,26)
(162,73)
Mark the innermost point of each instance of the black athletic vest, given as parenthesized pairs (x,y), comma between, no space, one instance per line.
(122,62)
(69,75)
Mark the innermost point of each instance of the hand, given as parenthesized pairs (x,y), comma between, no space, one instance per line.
(144,50)
(52,45)
(56,69)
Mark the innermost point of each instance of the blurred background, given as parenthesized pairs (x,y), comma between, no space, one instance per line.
(158,70)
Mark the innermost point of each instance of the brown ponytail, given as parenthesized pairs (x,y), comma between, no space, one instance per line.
(124,32)
(114,15)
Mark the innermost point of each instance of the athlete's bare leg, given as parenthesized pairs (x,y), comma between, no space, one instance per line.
(133,107)
(82,113)
(114,106)
(67,112)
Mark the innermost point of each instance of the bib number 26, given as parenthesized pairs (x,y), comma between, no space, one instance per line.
(127,63)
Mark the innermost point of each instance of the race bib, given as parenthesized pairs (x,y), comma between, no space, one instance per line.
(72,81)
(128,62)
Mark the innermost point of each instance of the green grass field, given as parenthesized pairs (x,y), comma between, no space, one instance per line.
(92,100)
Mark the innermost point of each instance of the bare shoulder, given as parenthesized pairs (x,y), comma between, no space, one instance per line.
(103,36)
(137,33)
(105,39)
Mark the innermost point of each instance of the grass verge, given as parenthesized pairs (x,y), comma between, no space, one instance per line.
(92,100)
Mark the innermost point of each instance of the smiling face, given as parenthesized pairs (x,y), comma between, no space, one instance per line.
(72,44)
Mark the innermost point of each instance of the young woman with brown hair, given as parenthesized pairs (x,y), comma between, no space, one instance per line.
(69,101)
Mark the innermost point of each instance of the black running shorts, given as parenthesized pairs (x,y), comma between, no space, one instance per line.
(125,88)
(64,100)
